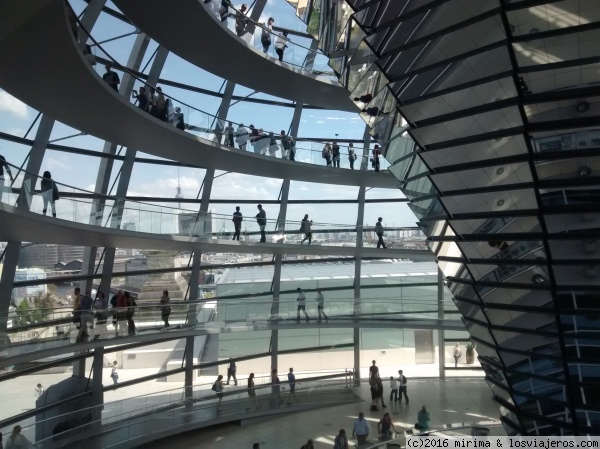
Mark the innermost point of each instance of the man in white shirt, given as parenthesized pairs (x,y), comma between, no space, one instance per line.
(361,428)
(301,304)
(457,354)
(321,305)
(39,391)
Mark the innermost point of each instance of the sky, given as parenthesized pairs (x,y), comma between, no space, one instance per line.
(148,179)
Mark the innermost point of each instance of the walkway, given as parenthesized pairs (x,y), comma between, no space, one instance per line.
(38,35)
(201,39)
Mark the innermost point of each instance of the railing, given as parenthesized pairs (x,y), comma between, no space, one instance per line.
(114,213)
(131,420)
(210,127)
(304,58)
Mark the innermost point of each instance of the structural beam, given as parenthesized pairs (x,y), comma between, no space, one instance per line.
(440,331)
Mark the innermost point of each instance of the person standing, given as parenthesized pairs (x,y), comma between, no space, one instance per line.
(326,154)
(292,385)
(265,37)
(113,373)
(457,355)
(4,166)
(301,304)
(394,387)
(252,393)
(261,219)
(101,310)
(280,44)
(218,388)
(351,155)
(231,370)
(273,147)
(237,223)
(423,420)
(341,440)
(373,371)
(165,307)
(49,192)
(321,305)
(111,78)
(131,305)
(241,137)
(379,391)
(228,132)
(39,391)
(335,153)
(385,426)
(403,386)
(379,231)
(241,20)
(375,159)
(86,315)
(179,119)
(306,227)
(17,441)
(361,428)
(286,144)
(275,389)
(141,97)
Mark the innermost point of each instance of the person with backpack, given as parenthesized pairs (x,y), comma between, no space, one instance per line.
(351,155)
(403,387)
(261,219)
(265,37)
(218,388)
(237,223)
(326,154)
(306,227)
(335,152)
(49,193)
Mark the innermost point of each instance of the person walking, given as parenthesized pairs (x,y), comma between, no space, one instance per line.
(241,20)
(306,227)
(351,155)
(292,385)
(394,388)
(218,388)
(261,219)
(275,389)
(17,441)
(231,370)
(457,355)
(379,391)
(86,317)
(321,306)
(165,307)
(102,314)
(361,430)
(423,420)
(301,304)
(131,305)
(379,231)
(403,386)
(341,440)
(281,44)
(375,159)
(111,78)
(114,301)
(252,393)
(335,154)
(385,426)
(326,154)
(265,37)
(286,144)
(39,391)
(375,395)
(113,373)
(228,133)
(49,193)
(241,136)
(121,313)
(237,223)
(373,371)
(4,166)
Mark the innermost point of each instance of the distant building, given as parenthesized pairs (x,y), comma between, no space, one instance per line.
(28,274)
(138,263)
(47,256)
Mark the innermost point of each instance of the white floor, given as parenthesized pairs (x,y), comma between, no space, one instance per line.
(451,401)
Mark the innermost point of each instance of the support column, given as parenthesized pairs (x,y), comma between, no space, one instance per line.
(13,249)
(89,18)
(360,216)
(106,163)
(364,164)
(125,176)
(189,368)
(97,394)
(223,110)
(440,332)
(257,11)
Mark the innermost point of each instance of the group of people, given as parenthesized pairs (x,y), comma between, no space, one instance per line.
(121,308)
(275,399)
(262,142)
(153,101)
(398,388)
(331,154)
(301,300)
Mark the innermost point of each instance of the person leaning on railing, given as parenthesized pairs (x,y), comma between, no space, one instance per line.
(280,44)
(4,166)
(241,20)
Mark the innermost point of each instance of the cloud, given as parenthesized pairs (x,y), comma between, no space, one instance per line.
(12,105)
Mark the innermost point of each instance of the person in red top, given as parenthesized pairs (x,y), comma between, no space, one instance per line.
(375,159)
